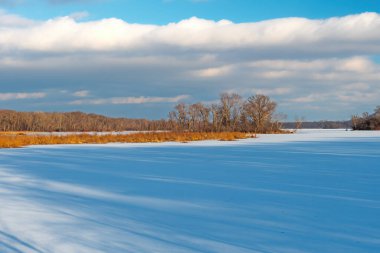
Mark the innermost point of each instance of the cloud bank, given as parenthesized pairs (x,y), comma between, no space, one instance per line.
(354,34)
(297,60)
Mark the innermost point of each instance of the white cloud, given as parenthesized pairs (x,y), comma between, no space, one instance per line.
(21,95)
(275,74)
(129,100)
(349,69)
(213,72)
(81,93)
(357,64)
(273,91)
(342,96)
(355,33)
(13,21)
(308,99)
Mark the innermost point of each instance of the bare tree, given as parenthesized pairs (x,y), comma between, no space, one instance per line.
(299,122)
(278,120)
(182,116)
(355,119)
(173,121)
(260,108)
(198,117)
(205,116)
(193,113)
(377,112)
(216,113)
(231,105)
(367,121)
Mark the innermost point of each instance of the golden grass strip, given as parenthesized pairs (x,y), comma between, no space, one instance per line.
(16,141)
(14,133)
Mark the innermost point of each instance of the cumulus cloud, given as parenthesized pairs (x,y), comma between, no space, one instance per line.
(21,95)
(350,34)
(9,21)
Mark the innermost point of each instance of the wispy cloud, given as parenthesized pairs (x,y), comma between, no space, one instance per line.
(79,15)
(273,91)
(81,93)
(129,100)
(21,95)
(213,72)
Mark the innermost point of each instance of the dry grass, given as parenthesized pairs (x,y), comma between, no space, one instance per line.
(13,133)
(16,140)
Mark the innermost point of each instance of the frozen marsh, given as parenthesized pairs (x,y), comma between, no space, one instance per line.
(314,191)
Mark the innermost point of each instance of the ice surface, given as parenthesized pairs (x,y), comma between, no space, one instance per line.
(314,191)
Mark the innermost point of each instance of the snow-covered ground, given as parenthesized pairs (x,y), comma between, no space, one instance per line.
(314,191)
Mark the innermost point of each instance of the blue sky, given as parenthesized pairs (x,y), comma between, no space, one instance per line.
(121,58)
(165,11)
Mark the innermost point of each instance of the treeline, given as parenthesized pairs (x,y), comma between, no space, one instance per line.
(73,122)
(230,114)
(367,121)
(322,124)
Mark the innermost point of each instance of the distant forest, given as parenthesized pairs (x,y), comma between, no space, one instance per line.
(73,122)
(367,121)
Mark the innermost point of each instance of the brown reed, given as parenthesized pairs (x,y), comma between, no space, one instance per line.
(16,140)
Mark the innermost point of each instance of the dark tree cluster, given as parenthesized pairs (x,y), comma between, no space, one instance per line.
(232,113)
(72,122)
(322,124)
(367,121)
